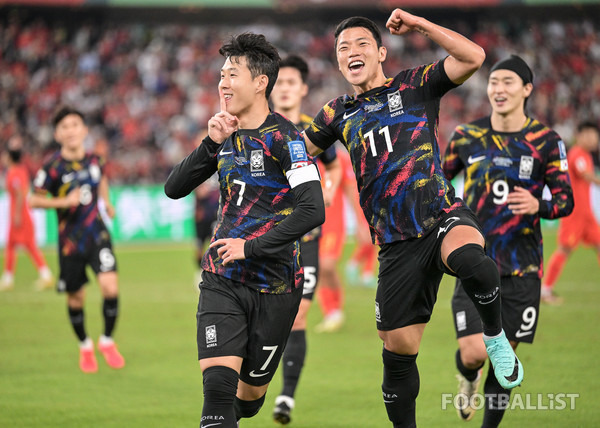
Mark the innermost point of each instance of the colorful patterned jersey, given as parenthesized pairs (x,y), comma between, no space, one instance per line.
(80,228)
(391,135)
(496,162)
(256,174)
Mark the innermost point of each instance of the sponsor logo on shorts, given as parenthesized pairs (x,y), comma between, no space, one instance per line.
(61,286)
(520,333)
(252,374)
(211,335)
(449,222)
(461,321)
(377,313)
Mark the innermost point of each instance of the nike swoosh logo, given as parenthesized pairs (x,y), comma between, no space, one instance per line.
(472,159)
(210,425)
(385,401)
(452,220)
(225,153)
(520,333)
(487,303)
(515,373)
(252,374)
(347,115)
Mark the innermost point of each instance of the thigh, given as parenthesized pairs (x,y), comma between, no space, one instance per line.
(520,307)
(310,262)
(466,317)
(269,327)
(592,233)
(221,321)
(102,259)
(72,273)
(408,283)
(570,233)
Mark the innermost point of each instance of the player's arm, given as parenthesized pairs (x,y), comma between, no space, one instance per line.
(466,57)
(556,177)
(452,165)
(192,171)
(333,174)
(104,194)
(39,199)
(588,175)
(313,149)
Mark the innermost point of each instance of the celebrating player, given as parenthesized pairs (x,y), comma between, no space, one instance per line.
(270,196)
(75,181)
(508,158)
(289,91)
(389,127)
(21,230)
(581,226)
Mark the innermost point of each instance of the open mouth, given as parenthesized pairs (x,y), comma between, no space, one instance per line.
(356,66)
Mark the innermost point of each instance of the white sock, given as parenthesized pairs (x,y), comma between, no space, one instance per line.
(105,340)
(86,344)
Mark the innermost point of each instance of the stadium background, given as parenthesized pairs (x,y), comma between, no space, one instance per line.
(145,72)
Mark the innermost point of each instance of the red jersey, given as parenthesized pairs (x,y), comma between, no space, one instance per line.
(17,182)
(580,162)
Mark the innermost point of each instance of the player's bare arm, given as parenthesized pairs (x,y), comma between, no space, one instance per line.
(103,191)
(39,200)
(312,148)
(466,57)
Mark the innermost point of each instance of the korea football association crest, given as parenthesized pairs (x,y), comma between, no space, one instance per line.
(395,103)
(526,167)
(211,336)
(257,162)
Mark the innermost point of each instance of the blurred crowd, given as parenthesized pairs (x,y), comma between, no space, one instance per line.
(148,90)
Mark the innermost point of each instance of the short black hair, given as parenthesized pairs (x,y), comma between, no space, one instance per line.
(294,61)
(15,155)
(358,21)
(588,124)
(64,111)
(261,56)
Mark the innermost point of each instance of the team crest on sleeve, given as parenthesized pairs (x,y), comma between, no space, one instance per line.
(298,155)
(211,335)
(395,103)
(257,161)
(526,167)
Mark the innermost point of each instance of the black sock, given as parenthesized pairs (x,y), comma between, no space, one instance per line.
(220,386)
(293,361)
(469,374)
(110,310)
(77,321)
(480,279)
(400,388)
(496,401)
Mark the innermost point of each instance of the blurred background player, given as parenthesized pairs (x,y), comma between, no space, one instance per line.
(75,181)
(508,158)
(21,230)
(362,263)
(331,247)
(290,89)
(581,226)
(206,207)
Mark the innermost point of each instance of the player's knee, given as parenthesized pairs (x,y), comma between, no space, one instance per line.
(247,409)
(473,358)
(472,266)
(220,385)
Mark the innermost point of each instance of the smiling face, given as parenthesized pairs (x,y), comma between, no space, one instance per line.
(506,92)
(289,90)
(70,132)
(238,87)
(359,58)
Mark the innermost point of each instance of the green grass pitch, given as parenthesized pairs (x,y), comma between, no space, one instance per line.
(161,385)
